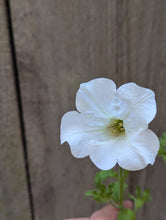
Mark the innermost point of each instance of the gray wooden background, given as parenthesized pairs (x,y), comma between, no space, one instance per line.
(47,48)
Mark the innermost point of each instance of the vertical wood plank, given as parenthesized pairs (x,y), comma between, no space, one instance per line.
(14,201)
(61,44)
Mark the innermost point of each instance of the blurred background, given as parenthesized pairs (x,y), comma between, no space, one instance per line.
(47,48)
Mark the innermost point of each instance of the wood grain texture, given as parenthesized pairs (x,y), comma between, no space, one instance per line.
(61,44)
(14,201)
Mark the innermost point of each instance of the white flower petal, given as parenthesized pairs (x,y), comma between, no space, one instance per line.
(73,130)
(104,155)
(134,125)
(118,108)
(95,95)
(71,124)
(79,145)
(136,153)
(147,143)
(95,120)
(76,130)
(140,100)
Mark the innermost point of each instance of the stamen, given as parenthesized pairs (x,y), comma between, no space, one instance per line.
(116,127)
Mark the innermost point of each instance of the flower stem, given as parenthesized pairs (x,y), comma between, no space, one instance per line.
(114,204)
(121,179)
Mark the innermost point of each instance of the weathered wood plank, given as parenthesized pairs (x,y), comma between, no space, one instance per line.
(14,200)
(61,44)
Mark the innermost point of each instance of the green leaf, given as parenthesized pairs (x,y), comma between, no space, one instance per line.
(103,175)
(89,192)
(163,140)
(96,195)
(126,214)
(140,197)
(108,193)
(102,189)
(138,191)
(115,189)
(162,150)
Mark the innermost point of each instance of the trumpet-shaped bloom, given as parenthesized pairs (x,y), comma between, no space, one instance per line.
(111,125)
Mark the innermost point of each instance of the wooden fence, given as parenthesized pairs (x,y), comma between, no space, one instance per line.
(47,48)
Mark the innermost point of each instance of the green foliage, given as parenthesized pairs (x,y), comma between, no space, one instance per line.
(126,214)
(111,193)
(140,197)
(103,175)
(97,195)
(108,193)
(116,189)
(162,150)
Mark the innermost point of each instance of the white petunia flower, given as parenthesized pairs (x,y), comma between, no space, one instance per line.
(111,126)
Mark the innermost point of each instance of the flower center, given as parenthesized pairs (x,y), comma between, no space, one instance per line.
(116,127)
